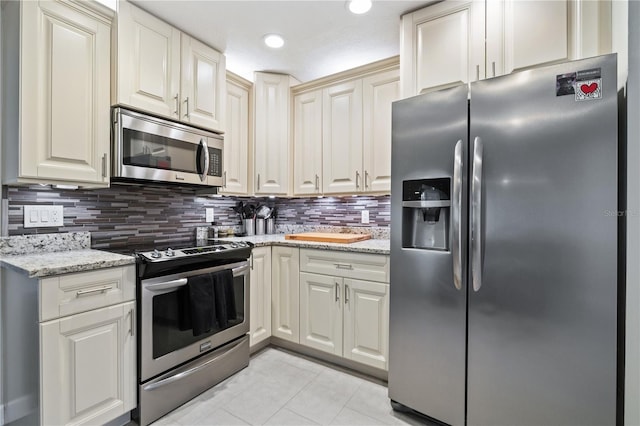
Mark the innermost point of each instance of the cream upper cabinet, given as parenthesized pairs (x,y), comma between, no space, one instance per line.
(56,92)
(271,133)
(378,91)
(235,163)
(166,72)
(148,62)
(203,84)
(260,295)
(88,366)
(342,138)
(444,44)
(307,143)
(285,293)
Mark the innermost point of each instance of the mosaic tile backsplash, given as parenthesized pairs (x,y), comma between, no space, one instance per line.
(128,214)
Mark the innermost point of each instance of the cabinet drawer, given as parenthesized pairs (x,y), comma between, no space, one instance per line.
(69,294)
(363,266)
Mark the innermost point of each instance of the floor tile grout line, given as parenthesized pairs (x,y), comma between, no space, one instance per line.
(234,416)
(294,395)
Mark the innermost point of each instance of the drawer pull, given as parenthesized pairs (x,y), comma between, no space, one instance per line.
(93,290)
(343,266)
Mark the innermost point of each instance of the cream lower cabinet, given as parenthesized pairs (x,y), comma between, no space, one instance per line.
(56,108)
(341,313)
(285,293)
(88,366)
(260,295)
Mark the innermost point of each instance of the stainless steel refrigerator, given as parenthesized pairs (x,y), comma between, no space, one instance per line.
(504,249)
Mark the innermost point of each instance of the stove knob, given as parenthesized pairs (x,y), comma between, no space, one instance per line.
(234,245)
(156,254)
(170,252)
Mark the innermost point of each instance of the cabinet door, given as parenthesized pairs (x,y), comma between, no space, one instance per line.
(321,312)
(515,41)
(285,293)
(378,92)
(271,133)
(148,75)
(366,322)
(307,143)
(236,139)
(260,295)
(65,70)
(442,46)
(202,84)
(342,138)
(88,366)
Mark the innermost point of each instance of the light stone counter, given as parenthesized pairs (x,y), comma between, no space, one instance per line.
(53,254)
(367,246)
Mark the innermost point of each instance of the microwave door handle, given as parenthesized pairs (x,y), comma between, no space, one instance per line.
(205,152)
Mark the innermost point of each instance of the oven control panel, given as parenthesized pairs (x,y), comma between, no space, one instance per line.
(169,254)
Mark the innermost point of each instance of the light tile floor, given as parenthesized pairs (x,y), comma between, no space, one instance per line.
(281,388)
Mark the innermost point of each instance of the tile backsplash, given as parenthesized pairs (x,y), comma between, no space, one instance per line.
(131,214)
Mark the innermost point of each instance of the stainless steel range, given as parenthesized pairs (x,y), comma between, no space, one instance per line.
(187,345)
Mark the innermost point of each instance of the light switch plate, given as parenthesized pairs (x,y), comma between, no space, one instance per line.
(40,216)
(364,218)
(209,214)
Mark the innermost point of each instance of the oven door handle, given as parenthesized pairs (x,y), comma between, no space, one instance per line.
(193,370)
(239,270)
(167,285)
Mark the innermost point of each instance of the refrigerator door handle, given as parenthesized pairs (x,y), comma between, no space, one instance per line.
(476,215)
(456,213)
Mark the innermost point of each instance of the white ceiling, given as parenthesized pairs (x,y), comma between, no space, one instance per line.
(321,37)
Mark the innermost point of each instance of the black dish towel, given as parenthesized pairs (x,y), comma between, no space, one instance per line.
(202,303)
(224,297)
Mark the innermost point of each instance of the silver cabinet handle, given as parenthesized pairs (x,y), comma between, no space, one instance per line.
(456,216)
(104,165)
(357,179)
(258,181)
(477,72)
(346,294)
(337,284)
(224,179)
(93,290)
(317,183)
(176,112)
(132,323)
(251,261)
(343,266)
(366,179)
(476,215)
(186,101)
(493,67)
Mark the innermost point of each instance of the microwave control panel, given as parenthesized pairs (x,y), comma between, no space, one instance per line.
(215,162)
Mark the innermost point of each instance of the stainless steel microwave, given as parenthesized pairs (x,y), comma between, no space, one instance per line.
(148,148)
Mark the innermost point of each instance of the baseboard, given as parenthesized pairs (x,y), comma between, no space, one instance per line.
(332,360)
(120,421)
(19,408)
(259,346)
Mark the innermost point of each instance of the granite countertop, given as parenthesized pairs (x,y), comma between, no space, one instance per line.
(367,246)
(46,264)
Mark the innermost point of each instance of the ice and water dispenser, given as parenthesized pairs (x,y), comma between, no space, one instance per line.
(425,213)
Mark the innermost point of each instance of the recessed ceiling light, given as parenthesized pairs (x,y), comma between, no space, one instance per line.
(274,41)
(359,6)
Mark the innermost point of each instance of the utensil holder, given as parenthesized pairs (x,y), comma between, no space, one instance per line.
(271,226)
(249,226)
(259,226)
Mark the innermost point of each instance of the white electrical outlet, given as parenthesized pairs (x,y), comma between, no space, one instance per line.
(364,218)
(209,214)
(43,216)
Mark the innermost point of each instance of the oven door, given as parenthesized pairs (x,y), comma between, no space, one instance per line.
(163,345)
